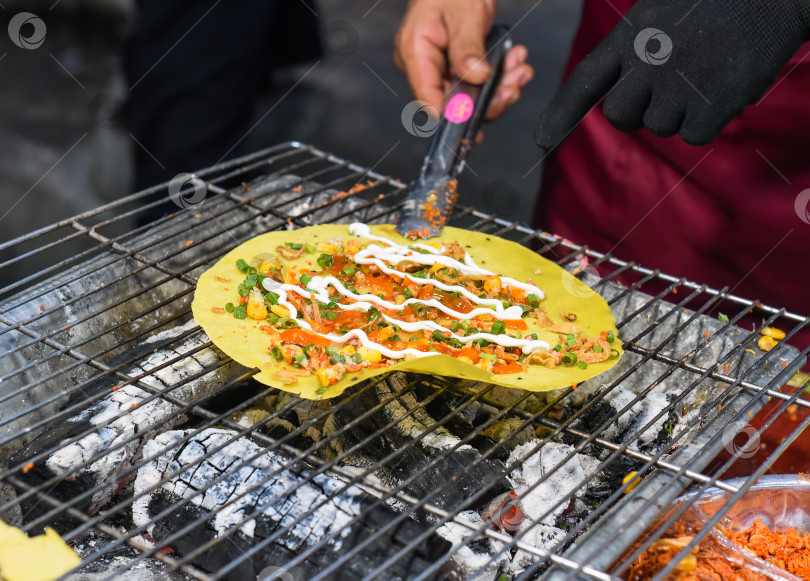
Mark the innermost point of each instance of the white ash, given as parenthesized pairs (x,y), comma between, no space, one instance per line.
(618,398)
(473,561)
(647,408)
(559,481)
(139,418)
(537,535)
(268,498)
(122,558)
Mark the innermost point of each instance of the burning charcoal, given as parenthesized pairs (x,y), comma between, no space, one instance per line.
(452,474)
(140,422)
(283,494)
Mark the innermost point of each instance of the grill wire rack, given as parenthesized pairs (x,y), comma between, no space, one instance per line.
(152,454)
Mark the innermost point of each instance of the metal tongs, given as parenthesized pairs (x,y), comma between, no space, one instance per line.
(435,191)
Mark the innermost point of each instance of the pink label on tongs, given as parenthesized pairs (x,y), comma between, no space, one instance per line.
(459,108)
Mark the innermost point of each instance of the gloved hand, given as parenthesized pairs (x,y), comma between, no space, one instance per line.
(680,66)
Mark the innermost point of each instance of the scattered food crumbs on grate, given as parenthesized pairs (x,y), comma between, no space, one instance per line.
(189,242)
(630,480)
(27,468)
(41,307)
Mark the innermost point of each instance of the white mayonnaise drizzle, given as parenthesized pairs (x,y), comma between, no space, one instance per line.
(374,254)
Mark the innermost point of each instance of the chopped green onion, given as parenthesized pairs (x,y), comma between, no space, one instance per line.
(419,274)
(533,301)
(482,342)
(325,261)
(348,271)
(331,315)
(337,358)
(582,365)
(240,312)
(489,356)
(419,310)
(455,326)
(413,338)
(310,248)
(532,336)
(294,245)
(243,290)
(287,323)
(250,281)
(465,324)
(242,266)
(357,358)
(229,307)
(570,339)
(271,298)
(304,280)
(498,328)
(557,348)
(610,337)
(331,350)
(614,353)
(276,353)
(344,329)
(437,336)
(722,318)
(506,304)
(568,359)
(321,390)
(273,318)
(518,336)
(300,357)
(306,348)
(597,349)
(395,337)
(407,293)
(373,314)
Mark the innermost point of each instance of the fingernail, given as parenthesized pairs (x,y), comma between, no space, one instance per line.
(526,77)
(476,65)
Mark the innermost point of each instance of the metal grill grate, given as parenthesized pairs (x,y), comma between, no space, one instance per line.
(153,454)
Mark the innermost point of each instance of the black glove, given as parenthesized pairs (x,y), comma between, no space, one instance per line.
(680,66)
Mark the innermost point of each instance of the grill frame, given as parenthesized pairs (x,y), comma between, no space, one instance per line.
(747,393)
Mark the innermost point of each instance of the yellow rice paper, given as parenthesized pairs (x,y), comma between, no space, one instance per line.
(245,342)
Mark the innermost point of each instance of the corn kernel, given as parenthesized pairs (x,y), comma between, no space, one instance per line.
(353,246)
(280,310)
(256,309)
(766,343)
(370,355)
(773,332)
(347,350)
(485,364)
(493,284)
(324,376)
(628,478)
(465,359)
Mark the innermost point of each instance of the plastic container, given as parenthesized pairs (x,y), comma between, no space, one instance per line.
(780,501)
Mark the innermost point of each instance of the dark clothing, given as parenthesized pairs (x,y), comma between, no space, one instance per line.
(195,71)
(722,214)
